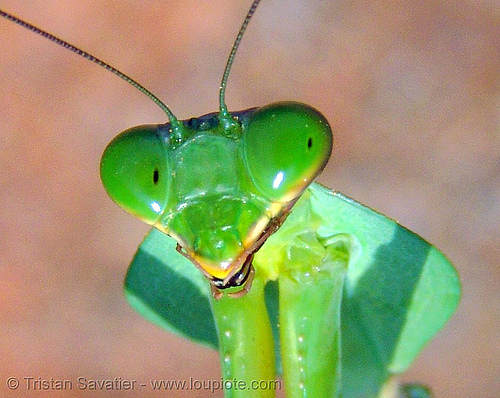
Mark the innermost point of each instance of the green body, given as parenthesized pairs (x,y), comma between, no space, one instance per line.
(216,191)
(396,291)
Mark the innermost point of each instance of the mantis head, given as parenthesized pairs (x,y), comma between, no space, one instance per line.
(218,195)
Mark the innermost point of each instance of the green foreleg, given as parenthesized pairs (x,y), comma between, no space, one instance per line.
(310,297)
(246,344)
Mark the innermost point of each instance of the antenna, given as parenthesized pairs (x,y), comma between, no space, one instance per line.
(224,114)
(174,123)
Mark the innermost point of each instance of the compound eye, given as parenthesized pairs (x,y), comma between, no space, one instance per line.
(135,172)
(286,145)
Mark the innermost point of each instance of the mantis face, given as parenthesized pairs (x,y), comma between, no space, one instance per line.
(219,184)
(219,195)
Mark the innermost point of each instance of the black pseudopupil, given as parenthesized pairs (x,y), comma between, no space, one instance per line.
(309,142)
(156,176)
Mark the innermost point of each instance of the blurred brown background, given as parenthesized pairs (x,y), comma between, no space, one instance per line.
(411,88)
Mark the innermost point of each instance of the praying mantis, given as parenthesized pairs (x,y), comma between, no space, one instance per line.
(309,250)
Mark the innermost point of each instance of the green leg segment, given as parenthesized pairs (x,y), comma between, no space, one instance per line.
(310,298)
(246,344)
